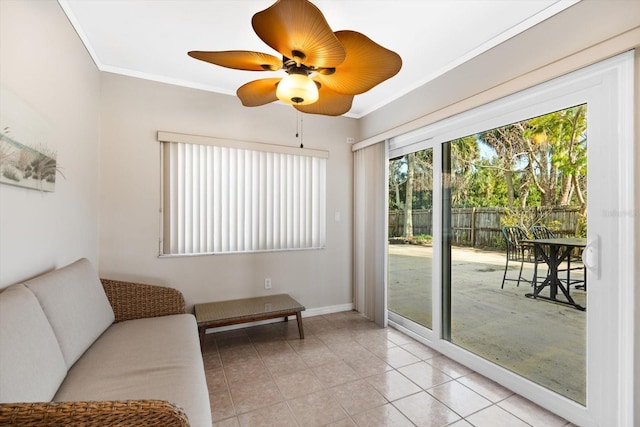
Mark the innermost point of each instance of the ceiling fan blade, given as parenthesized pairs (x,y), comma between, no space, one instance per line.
(330,103)
(258,92)
(240,59)
(291,26)
(367,65)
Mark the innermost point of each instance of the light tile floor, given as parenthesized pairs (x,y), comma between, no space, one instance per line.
(349,372)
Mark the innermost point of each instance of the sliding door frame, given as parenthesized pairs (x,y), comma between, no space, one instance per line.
(607,89)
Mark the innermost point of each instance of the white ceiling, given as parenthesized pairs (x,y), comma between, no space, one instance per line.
(150,38)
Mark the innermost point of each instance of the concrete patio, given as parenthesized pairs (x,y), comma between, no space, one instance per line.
(540,340)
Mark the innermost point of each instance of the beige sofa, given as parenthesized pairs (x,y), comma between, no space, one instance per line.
(78,351)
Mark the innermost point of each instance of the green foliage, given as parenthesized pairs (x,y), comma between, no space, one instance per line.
(565,131)
(528,217)
(422,191)
(482,188)
(540,162)
(516,217)
(535,162)
(499,243)
(554,226)
(581,228)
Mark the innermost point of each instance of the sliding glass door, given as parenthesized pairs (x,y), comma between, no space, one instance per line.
(411,237)
(525,177)
(490,215)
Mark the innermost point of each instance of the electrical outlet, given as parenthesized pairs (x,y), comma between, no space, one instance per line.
(267,283)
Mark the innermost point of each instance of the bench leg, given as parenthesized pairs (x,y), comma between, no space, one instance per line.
(299,319)
(202,331)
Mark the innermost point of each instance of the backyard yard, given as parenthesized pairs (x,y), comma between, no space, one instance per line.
(540,340)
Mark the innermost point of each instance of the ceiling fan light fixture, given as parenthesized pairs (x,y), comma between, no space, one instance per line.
(298,31)
(297,89)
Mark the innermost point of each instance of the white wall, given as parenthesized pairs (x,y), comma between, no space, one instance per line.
(45,64)
(133,110)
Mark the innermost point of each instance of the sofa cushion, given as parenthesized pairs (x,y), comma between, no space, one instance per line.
(31,363)
(152,358)
(74,301)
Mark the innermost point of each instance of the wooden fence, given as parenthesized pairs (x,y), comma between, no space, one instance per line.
(480,227)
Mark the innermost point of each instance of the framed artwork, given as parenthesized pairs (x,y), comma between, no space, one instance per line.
(27,157)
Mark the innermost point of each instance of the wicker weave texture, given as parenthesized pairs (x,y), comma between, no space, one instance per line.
(128,413)
(136,301)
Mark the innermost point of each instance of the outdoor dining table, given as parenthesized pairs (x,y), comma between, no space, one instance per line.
(559,250)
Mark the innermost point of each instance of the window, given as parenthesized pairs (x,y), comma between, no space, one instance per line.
(222,196)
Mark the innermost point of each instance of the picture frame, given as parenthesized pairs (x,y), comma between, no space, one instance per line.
(27,156)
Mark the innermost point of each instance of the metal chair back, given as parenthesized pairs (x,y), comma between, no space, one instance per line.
(516,249)
(542,232)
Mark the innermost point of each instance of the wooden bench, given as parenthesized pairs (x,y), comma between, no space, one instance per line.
(233,312)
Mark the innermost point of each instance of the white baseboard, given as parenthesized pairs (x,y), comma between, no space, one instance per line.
(318,311)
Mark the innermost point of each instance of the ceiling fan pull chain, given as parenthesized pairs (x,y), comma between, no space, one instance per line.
(301,130)
(299,133)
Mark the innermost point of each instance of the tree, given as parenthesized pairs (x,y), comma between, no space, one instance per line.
(397,178)
(507,142)
(561,137)
(408,204)
(487,188)
(464,155)
(411,185)
(535,162)
(423,179)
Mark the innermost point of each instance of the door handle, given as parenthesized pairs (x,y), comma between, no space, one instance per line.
(591,256)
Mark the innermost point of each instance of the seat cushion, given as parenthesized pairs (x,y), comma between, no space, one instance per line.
(74,301)
(31,363)
(152,358)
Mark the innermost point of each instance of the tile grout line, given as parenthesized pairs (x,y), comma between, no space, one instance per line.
(374,350)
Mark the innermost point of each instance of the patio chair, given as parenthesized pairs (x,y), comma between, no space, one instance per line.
(517,251)
(542,232)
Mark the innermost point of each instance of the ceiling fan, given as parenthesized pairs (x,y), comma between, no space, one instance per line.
(325,69)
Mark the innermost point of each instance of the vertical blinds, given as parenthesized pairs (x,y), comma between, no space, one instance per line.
(370,210)
(221,199)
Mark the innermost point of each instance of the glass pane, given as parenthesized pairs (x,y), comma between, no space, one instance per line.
(410,231)
(506,191)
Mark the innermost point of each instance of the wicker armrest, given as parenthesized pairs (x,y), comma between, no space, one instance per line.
(127,413)
(136,301)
